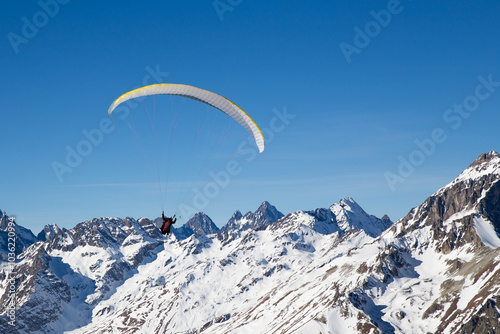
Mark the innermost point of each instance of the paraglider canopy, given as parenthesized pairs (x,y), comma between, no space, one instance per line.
(205,96)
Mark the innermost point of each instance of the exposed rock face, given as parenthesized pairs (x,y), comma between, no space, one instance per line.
(201,224)
(450,211)
(486,320)
(24,237)
(489,206)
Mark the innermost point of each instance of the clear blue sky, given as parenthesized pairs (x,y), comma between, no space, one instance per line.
(359,100)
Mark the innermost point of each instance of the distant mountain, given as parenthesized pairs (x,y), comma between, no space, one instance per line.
(350,215)
(341,217)
(266,214)
(23,236)
(201,224)
(328,270)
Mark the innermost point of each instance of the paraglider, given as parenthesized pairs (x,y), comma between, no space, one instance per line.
(167,223)
(212,99)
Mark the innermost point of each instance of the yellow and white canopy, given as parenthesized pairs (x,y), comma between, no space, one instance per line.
(205,96)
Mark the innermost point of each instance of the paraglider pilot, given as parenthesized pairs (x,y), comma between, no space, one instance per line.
(167,223)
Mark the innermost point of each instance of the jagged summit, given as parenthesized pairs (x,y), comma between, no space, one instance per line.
(266,214)
(469,201)
(349,215)
(346,206)
(236,216)
(485,158)
(486,164)
(347,201)
(201,224)
(24,237)
(344,216)
(48,232)
(4,220)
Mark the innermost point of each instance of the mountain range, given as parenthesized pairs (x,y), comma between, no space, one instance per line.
(328,270)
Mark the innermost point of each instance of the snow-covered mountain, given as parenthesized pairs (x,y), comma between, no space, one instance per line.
(329,270)
(350,216)
(341,217)
(266,214)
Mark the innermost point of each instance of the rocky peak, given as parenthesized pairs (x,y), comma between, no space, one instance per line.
(349,215)
(265,214)
(344,216)
(49,232)
(4,219)
(235,217)
(485,169)
(454,210)
(24,236)
(348,202)
(201,224)
(485,158)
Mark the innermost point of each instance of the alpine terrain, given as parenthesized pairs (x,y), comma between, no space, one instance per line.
(327,270)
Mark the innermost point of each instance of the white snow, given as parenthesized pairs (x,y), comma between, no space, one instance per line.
(486,232)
